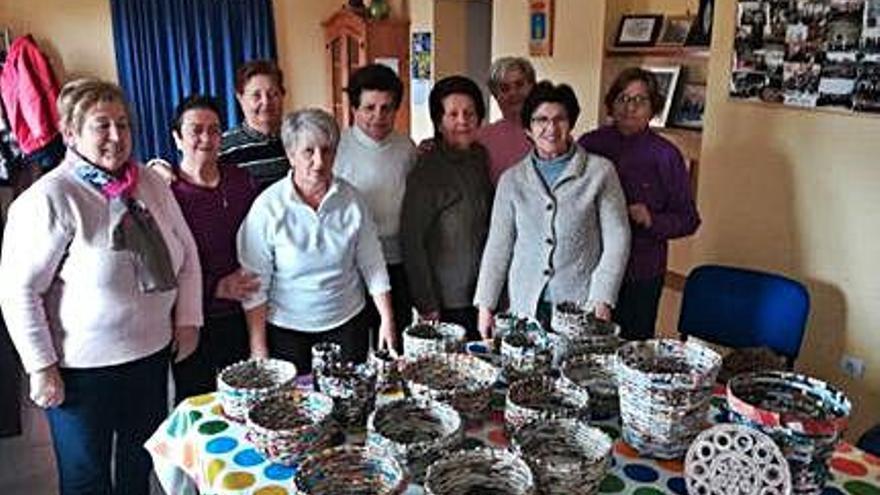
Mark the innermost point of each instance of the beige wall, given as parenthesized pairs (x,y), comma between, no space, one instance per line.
(578,47)
(796,191)
(76,36)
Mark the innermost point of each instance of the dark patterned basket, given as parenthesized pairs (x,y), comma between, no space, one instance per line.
(463,381)
(323,355)
(353,390)
(566,455)
(242,384)
(387,369)
(543,397)
(352,471)
(582,332)
(806,418)
(415,431)
(290,424)
(665,388)
(594,373)
(428,338)
(527,351)
(480,471)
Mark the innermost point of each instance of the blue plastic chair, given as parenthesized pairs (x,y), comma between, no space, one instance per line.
(736,307)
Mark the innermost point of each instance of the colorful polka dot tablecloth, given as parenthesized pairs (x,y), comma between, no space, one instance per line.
(199,450)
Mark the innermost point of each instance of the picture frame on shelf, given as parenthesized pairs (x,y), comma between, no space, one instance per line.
(675,30)
(667,82)
(701,29)
(689,108)
(638,30)
(541,25)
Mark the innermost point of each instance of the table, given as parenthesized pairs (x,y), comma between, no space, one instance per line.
(197,449)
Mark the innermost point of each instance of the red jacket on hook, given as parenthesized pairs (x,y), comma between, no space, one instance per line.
(29,89)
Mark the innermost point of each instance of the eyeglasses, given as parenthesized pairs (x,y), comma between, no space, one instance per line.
(543,121)
(637,100)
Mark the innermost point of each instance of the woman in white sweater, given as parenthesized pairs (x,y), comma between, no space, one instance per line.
(101,283)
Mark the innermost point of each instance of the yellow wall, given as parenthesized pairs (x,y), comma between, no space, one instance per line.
(77,37)
(578,46)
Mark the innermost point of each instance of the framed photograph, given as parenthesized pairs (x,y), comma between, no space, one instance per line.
(675,30)
(638,30)
(701,29)
(667,81)
(688,111)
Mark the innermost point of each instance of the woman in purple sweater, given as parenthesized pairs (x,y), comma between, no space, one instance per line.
(214,200)
(657,188)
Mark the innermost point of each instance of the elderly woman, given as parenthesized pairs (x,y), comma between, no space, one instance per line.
(510,81)
(100,275)
(214,201)
(657,189)
(312,242)
(445,213)
(559,230)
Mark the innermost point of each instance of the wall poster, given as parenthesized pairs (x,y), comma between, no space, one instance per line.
(808,53)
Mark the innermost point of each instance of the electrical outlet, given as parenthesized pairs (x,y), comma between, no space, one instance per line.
(852,366)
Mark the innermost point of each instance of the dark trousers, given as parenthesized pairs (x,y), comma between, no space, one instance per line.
(636,310)
(466,317)
(401,304)
(10,385)
(129,400)
(296,346)
(223,340)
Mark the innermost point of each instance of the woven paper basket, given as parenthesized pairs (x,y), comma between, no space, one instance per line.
(582,332)
(567,456)
(352,471)
(543,397)
(416,431)
(353,390)
(324,354)
(241,384)
(665,388)
(595,374)
(290,424)
(806,418)
(483,471)
(428,338)
(463,381)
(527,351)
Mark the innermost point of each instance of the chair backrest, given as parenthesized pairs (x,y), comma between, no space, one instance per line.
(736,307)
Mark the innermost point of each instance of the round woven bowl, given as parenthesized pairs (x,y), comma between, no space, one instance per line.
(241,384)
(350,470)
(289,424)
(463,381)
(415,431)
(543,397)
(665,387)
(595,374)
(353,390)
(386,368)
(526,352)
(568,318)
(582,332)
(483,471)
(567,456)
(427,338)
(806,417)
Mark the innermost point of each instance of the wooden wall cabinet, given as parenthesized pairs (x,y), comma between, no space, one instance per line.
(352,41)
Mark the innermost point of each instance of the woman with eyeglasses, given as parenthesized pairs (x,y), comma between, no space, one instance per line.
(559,230)
(214,201)
(656,184)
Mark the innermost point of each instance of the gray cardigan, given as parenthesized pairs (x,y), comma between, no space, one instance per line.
(574,240)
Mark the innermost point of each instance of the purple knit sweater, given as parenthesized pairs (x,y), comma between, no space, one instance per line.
(213,216)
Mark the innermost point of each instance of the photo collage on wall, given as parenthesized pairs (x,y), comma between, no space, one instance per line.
(808,53)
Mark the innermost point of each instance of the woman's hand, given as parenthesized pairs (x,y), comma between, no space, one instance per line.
(186,339)
(163,168)
(237,286)
(640,215)
(387,336)
(485,322)
(602,311)
(47,387)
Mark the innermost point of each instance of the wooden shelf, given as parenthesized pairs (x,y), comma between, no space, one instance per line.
(680,131)
(659,51)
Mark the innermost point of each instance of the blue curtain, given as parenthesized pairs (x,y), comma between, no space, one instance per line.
(169,49)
